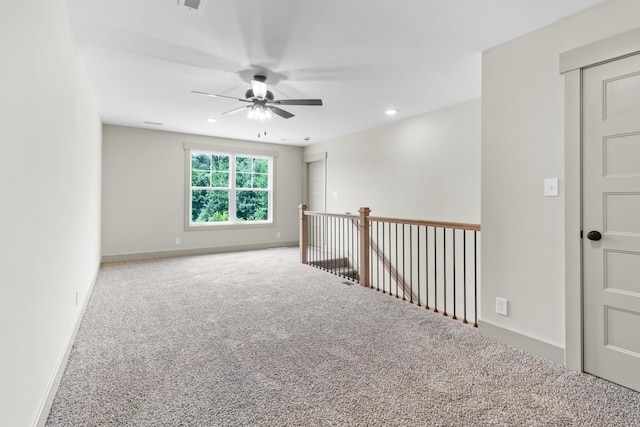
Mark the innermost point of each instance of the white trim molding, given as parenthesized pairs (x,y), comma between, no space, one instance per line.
(231,152)
(609,49)
(229,149)
(524,342)
(314,157)
(54,384)
(139,256)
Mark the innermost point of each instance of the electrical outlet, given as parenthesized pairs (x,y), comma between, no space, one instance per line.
(278,235)
(502,306)
(178,241)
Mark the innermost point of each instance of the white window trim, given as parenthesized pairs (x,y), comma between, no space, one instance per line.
(231,151)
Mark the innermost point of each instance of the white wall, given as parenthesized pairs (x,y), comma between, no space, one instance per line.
(523,143)
(144,200)
(50,209)
(423,167)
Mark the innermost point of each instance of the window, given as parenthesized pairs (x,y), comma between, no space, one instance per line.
(229,188)
(252,189)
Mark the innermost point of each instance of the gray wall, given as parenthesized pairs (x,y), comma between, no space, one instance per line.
(423,167)
(144,196)
(50,186)
(523,143)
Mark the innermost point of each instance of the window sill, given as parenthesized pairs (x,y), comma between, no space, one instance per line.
(226,226)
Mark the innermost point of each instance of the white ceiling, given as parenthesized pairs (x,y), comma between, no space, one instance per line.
(361,57)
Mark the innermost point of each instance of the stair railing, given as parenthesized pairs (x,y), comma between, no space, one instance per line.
(431,264)
(331,242)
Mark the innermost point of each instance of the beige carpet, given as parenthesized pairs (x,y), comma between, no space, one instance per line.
(256,338)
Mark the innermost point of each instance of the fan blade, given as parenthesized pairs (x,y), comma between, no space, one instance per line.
(236,110)
(213,95)
(280,112)
(298,102)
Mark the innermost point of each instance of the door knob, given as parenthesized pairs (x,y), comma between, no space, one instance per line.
(594,235)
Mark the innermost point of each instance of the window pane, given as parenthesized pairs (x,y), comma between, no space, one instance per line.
(201,161)
(252,180)
(252,206)
(243,180)
(220,179)
(260,181)
(210,206)
(220,163)
(243,164)
(261,165)
(200,179)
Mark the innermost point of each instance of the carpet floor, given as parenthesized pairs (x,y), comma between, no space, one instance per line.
(258,339)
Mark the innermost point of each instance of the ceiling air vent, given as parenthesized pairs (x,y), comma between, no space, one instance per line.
(193,5)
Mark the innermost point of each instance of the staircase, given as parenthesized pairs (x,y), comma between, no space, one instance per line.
(338,266)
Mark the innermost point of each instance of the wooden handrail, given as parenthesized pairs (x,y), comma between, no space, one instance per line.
(443,224)
(334,215)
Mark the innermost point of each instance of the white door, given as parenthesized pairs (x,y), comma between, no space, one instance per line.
(611,207)
(316,192)
(316,186)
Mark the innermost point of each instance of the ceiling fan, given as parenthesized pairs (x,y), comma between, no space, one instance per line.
(261,101)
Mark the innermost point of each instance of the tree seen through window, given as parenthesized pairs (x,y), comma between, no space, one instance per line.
(229,188)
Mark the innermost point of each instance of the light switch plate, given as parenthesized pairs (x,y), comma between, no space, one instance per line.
(551,187)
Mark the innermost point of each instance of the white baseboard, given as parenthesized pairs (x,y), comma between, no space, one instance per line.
(47,402)
(199,251)
(523,342)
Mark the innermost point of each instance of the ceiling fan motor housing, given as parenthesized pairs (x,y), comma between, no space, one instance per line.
(250,95)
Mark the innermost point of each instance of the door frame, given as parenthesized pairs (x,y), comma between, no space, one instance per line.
(312,158)
(572,64)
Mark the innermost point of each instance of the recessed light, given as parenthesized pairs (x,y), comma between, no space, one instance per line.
(210,120)
(153,123)
(391,112)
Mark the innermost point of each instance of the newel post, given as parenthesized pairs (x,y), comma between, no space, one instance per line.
(363,225)
(303,233)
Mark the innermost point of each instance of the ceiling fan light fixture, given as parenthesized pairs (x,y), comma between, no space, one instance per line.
(260,113)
